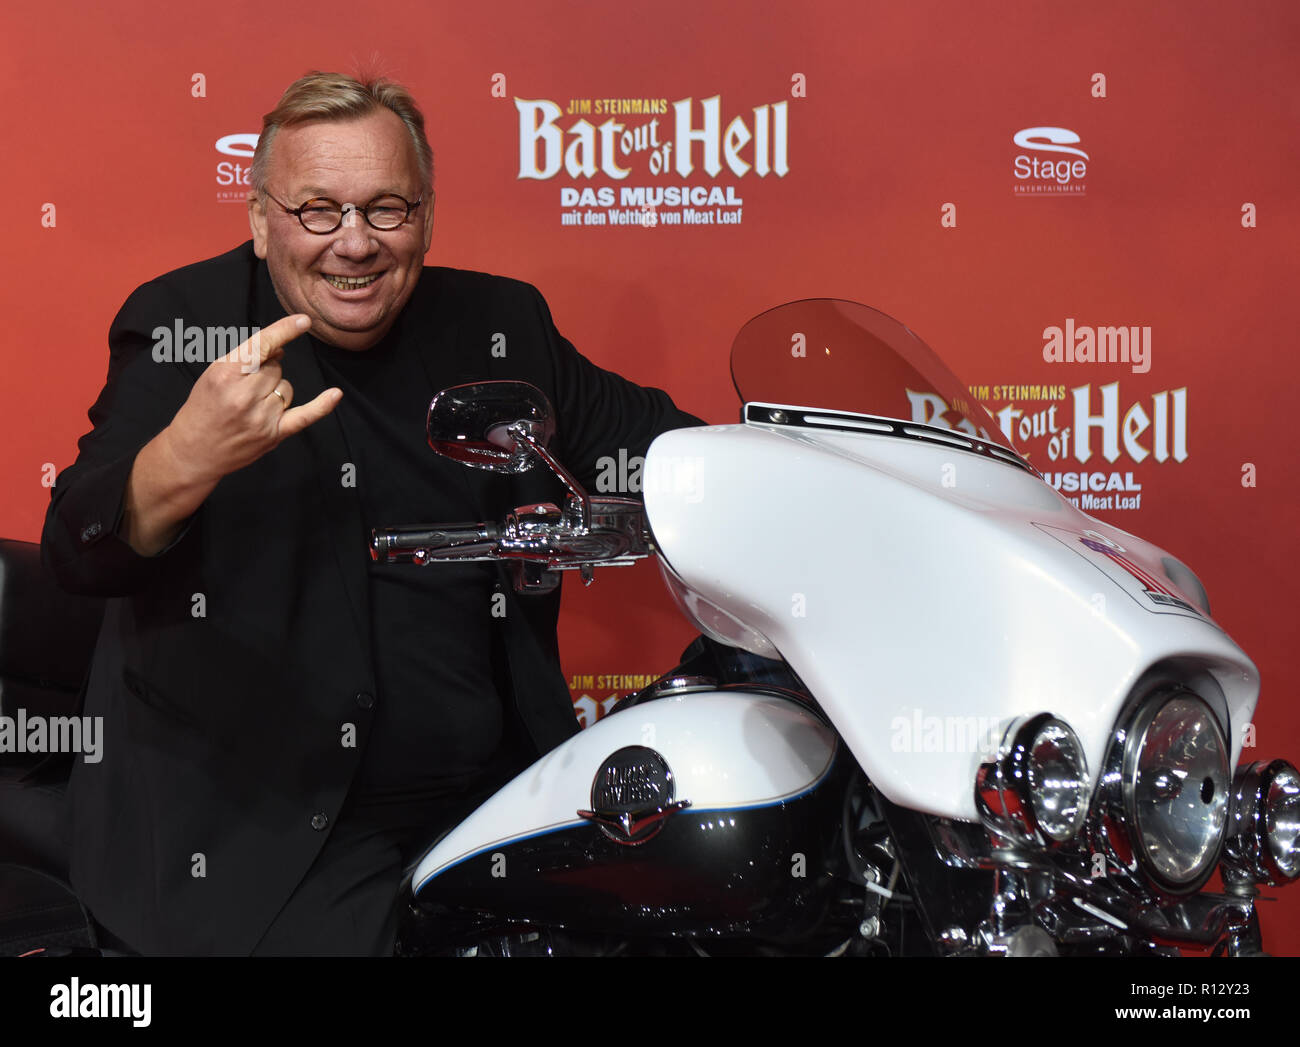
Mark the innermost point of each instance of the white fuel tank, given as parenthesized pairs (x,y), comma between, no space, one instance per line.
(725,751)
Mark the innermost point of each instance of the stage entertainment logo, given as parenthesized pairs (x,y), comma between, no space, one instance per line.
(233,181)
(1049,163)
(650,162)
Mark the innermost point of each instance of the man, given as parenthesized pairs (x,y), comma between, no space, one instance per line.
(285,723)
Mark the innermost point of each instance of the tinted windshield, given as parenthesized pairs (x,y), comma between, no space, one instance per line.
(842,356)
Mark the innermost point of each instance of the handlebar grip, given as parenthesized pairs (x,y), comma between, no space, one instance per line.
(433,542)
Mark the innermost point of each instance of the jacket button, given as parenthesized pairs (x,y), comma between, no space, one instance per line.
(365,699)
(319,820)
(90,532)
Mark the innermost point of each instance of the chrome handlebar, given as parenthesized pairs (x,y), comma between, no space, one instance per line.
(535,540)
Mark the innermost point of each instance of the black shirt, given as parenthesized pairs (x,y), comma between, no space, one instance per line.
(440,729)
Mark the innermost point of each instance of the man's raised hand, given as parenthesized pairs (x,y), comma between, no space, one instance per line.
(238,410)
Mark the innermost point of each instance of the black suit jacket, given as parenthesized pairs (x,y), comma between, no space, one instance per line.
(229,665)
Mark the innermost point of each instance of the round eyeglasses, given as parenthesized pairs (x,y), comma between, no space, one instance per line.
(322,215)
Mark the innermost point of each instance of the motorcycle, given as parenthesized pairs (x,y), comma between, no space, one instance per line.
(934,707)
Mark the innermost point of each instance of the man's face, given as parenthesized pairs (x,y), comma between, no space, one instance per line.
(349,161)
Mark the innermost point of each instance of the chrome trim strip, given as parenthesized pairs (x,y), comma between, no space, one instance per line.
(845,421)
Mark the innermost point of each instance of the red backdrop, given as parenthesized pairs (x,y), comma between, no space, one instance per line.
(1175,212)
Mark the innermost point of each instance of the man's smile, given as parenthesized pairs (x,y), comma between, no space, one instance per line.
(351,283)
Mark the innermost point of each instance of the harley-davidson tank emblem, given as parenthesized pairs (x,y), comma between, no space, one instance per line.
(632,795)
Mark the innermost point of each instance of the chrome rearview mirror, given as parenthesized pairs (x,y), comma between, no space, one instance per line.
(478,425)
(506,427)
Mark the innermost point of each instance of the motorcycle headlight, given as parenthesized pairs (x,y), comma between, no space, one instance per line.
(1264,826)
(1036,790)
(1282,822)
(1176,776)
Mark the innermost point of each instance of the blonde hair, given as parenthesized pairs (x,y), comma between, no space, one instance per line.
(335,96)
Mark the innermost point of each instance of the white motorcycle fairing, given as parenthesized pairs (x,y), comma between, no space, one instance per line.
(925,594)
